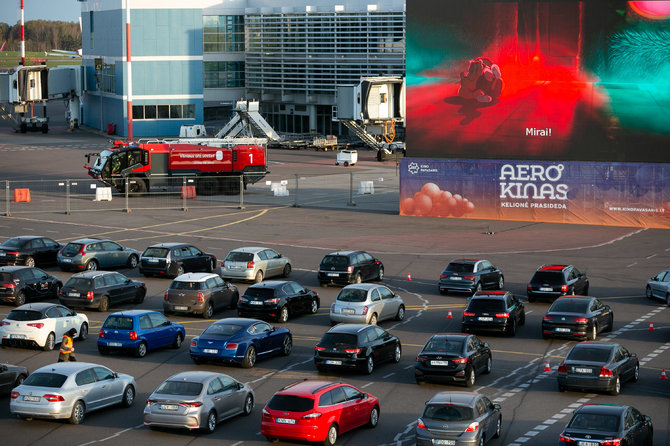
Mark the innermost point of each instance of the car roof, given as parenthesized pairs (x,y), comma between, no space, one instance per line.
(93,274)
(598,344)
(195,277)
(496,295)
(454,397)
(169,245)
(362,286)
(26,237)
(576,297)
(348,328)
(11,269)
(253,249)
(132,313)
(199,376)
(243,321)
(307,387)
(343,253)
(89,240)
(270,284)
(602,408)
(553,267)
(451,335)
(466,260)
(36,306)
(67,368)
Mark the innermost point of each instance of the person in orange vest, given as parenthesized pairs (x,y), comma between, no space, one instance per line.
(67,346)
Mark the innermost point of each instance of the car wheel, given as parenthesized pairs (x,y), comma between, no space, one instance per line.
(373,419)
(141,350)
(104,304)
(20,299)
(128,396)
(396,353)
(178,339)
(636,373)
(511,328)
(314,307)
(50,342)
(249,358)
(139,297)
(610,323)
(481,440)
(323,284)
(103,351)
(83,332)
(498,428)
(369,365)
(648,292)
(586,291)
(30,261)
(373,319)
(234,300)
(57,290)
(287,270)
(78,412)
(593,333)
(667,299)
(286,345)
(531,298)
(418,380)
(211,267)
(92,265)
(561,388)
(400,315)
(283,315)
(501,282)
(248,405)
(358,278)
(180,270)
(211,422)
(522,318)
(331,436)
(259,277)
(208,311)
(132,261)
(19,380)
(470,381)
(478,287)
(442,292)
(617,387)
(380,275)
(489,365)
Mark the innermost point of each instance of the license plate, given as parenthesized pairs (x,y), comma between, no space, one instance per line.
(31,398)
(17,336)
(255,302)
(67,260)
(235,268)
(587,443)
(348,311)
(2,253)
(333,275)
(444,442)
(582,370)
(544,288)
(74,294)
(180,308)
(485,319)
(115,344)
(210,350)
(169,407)
(333,362)
(286,420)
(439,362)
(456,278)
(562,330)
(152,260)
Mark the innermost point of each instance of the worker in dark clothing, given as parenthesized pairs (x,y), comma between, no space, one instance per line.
(67,346)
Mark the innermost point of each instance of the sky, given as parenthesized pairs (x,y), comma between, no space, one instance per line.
(63,10)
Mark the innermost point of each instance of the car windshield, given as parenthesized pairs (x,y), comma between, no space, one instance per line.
(236,256)
(585,353)
(548,277)
(184,285)
(13,243)
(460,267)
(78,283)
(338,340)
(119,323)
(595,422)
(442,345)
(24,315)
(72,249)
(291,403)
(337,262)
(54,380)
(183,388)
(570,306)
(156,252)
(222,330)
(486,305)
(352,295)
(448,412)
(259,292)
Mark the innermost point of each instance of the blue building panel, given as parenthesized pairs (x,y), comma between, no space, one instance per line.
(166,32)
(167,78)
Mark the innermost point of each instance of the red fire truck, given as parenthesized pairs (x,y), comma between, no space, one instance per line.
(215,165)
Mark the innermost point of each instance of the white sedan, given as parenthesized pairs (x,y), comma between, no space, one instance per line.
(42,325)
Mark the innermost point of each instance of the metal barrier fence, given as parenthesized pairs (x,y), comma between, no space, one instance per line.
(374,191)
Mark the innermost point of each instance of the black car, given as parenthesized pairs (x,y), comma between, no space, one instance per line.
(356,346)
(11,376)
(453,358)
(470,276)
(577,317)
(345,267)
(100,289)
(552,281)
(598,366)
(175,259)
(18,284)
(29,250)
(277,299)
(494,311)
(597,424)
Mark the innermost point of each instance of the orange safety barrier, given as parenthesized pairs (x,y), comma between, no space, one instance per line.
(187,192)
(21,195)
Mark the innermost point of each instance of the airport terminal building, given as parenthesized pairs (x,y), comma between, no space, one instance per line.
(189,61)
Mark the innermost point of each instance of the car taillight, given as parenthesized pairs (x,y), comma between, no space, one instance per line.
(8,285)
(311,416)
(352,350)
(53,398)
(421,358)
(165,296)
(272,301)
(529,287)
(89,295)
(459,360)
(250,265)
(548,318)
(563,368)
(150,402)
(266,415)
(365,310)
(564,288)
(201,297)
(604,371)
(101,334)
(12,253)
(319,349)
(581,320)
(468,314)
(231,346)
(473,427)
(194,343)
(37,325)
(350,269)
(14,395)
(60,293)
(503,315)
(611,442)
(133,335)
(420,424)
(443,276)
(567,440)
(469,278)
(5,323)
(192,404)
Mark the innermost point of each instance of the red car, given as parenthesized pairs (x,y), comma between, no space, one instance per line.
(317,411)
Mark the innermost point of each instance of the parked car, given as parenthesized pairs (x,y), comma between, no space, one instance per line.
(277,300)
(457,358)
(92,254)
(70,390)
(254,263)
(175,259)
(498,311)
(470,276)
(18,284)
(552,281)
(139,331)
(199,293)
(41,325)
(197,400)
(458,418)
(598,366)
(577,317)
(659,286)
(29,250)
(344,267)
(356,347)
(366,303)
(601,424)
(11,376)
(317,411)
(241,341)
(100,289)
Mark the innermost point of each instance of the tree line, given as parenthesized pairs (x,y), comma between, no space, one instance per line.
(42,35)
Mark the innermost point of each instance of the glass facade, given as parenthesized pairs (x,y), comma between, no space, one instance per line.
(163,111)
(223,74)
(223,34)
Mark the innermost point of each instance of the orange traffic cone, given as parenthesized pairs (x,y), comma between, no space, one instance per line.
(547,367)
(651,326)
(449,315)
(663,375)
(409,276)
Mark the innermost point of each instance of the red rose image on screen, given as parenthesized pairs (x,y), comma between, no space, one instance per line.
(431,201)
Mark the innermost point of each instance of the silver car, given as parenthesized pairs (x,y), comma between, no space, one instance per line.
(366,303)
(254,263)
(197,400)
(70,390)
(659,286)
(92,254)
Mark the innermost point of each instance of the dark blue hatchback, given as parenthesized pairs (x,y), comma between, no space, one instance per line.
(139,331)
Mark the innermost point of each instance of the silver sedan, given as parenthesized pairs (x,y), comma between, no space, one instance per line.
(659,286)
(197,400)
(254,263)
(70,390)
(366,303)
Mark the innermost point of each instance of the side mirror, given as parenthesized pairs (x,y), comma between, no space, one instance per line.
(116,375)
(239,386)
(3,368)
(647,419)
(497,406)
(486,345)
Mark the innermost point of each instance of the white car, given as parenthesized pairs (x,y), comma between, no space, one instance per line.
(42,325)
(366,303)
(254,263)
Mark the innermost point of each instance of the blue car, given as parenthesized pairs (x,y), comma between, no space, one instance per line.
(241,341)
(139,331)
